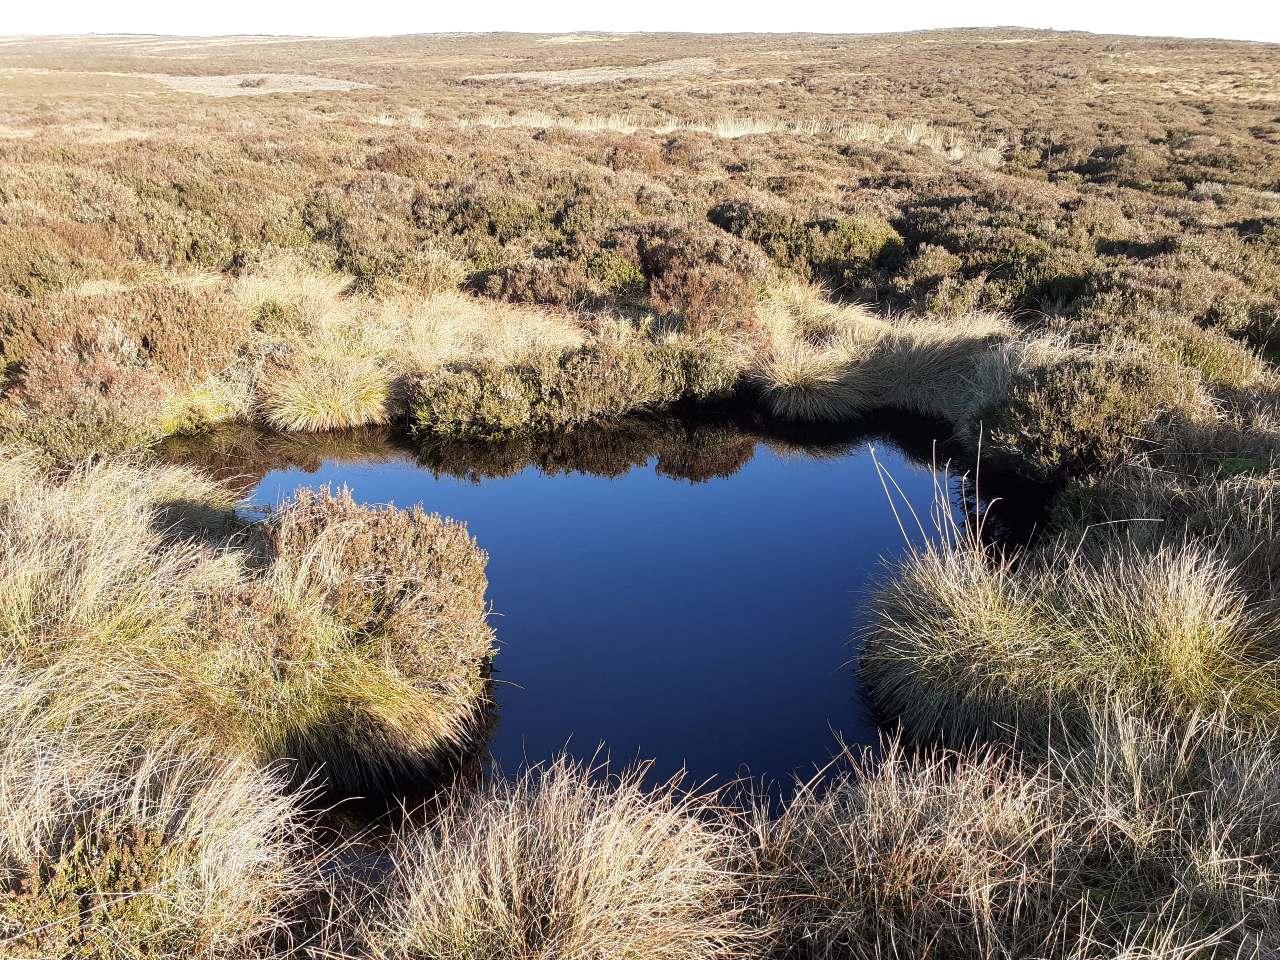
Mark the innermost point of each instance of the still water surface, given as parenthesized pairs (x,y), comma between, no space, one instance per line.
(702,624)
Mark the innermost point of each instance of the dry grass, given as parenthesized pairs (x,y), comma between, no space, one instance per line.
(822,361)
(563,863)
(115,849)
(259,645)
(953,144)
(662,70)
(253,84)
(329,382)
(936,856)
(968,640)
(1138,836)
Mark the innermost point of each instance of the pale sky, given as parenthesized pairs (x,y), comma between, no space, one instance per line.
(1256,20)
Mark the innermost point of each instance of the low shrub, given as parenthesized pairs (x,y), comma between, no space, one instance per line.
(705,278)
(841,253)
(380,661)
(599,380)
(1073,411)
(1217,358)
(185,333)
(84,398)
(37,261)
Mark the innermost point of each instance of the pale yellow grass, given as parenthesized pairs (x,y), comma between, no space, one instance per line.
(291,282)
(580,38)
(562,863)
(452,327)
(819,360)
(230,84)
(329,360)
(954,144)
(662,70)
(113,848)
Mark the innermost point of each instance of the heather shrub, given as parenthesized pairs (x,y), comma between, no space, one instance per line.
(401,623)
(414,161)
(84,398)
(368,220)
(483,209)
(1079,410)
(558,282)
(184,332)
(39,260)
(1216,357)
(705,278)
(599,380)
(842,253)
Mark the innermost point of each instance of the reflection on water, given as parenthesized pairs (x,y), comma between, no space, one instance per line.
(663,589)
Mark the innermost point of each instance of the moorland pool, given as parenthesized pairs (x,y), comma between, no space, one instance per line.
(662,591)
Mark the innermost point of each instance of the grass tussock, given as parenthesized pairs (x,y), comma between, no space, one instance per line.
(942,855)
(115,849)
(823,361)
(1134,836)
(349,641)
(966,639)
(561,862)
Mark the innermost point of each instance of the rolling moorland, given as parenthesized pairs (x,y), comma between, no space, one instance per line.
(1062,248)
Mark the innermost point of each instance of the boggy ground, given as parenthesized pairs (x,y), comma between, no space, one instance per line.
(1065,247)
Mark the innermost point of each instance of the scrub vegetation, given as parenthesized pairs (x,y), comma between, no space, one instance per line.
(1062,249)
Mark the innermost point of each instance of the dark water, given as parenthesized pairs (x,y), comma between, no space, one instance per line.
(681,595)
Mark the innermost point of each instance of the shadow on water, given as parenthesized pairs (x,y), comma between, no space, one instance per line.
(681,590)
